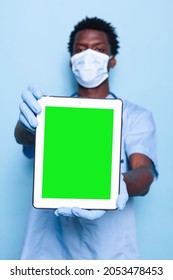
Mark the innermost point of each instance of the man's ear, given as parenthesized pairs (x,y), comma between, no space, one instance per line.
(112,62)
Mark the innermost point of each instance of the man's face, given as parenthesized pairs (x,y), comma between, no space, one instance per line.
(97,41)
(91,39)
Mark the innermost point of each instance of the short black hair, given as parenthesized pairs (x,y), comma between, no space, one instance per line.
(96,24)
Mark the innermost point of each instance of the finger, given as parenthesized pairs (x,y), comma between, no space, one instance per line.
(35,90)
(28,115)
(64,211)
(120,203)
(30,100)
(25,123)
(123,196)
(87,214)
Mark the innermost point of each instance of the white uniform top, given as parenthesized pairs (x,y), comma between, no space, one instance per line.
(110,237)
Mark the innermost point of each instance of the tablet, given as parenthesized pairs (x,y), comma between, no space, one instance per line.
(77,153)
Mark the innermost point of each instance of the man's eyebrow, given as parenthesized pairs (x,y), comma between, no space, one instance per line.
(77,44)
(95,44)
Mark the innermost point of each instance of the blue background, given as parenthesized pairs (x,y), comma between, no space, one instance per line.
(34,36)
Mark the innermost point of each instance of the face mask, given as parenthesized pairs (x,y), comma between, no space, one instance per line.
(90,68)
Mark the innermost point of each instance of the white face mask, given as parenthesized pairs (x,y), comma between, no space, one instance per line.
(90,68)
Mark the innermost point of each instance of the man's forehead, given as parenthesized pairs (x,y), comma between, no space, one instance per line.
(91,34)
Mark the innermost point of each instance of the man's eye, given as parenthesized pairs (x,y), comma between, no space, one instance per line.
(80,50)
(99,50)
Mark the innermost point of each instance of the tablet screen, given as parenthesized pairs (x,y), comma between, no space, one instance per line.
(79,145)
(74,153)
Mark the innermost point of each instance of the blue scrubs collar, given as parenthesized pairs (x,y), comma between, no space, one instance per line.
(112,95)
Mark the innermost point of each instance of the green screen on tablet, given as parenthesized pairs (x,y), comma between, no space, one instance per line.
(77,153)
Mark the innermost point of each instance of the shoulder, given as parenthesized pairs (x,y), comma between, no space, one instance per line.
(130,108)
(137,119)
(139,131)
(134,113)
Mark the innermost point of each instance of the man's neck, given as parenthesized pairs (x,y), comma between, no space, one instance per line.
(99,92)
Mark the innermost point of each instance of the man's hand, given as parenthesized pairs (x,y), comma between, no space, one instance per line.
(123,195)
(79,213)
(29,107)
(95,214)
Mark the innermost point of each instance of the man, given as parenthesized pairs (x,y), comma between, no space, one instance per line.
(73,233)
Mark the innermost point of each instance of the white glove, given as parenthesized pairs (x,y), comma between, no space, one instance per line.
(29,108)
(95,214)
(80,213)
(123,196)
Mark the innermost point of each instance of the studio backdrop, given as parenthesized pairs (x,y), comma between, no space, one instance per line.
(34,36)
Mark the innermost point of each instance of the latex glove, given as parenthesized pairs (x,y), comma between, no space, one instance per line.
(123,196)
(80,213)
(95,214)
(29,107)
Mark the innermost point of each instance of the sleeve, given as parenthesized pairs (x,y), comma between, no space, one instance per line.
(141,135)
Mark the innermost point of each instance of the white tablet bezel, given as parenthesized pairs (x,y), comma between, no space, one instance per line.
(116,105)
